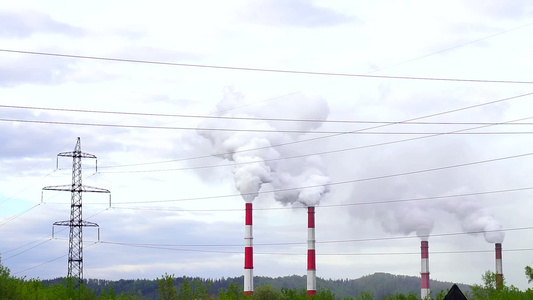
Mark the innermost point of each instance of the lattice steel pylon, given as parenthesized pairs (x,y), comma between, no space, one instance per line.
(76,222)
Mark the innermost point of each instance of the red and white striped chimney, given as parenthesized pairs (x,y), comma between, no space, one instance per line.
(248,252)
(311,255)
(499,269)
(424,273)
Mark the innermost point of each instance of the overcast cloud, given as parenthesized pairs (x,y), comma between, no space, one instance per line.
(458,172)
(25,23)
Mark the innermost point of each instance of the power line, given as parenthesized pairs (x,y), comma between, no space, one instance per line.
(343,182)
(320,242)
(28,249)
(461,131)
(361,131)
(39,265)
(262,69)
(253,118)
(319,254)
(4,222)
(255,130)
(329,136)
(48,238)
(323,205)
(27,187)
(454,47)
(47,262)
(303,254)
(331,254)
(294,254)
(27,244)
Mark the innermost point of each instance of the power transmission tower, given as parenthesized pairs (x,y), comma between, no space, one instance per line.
(76,222)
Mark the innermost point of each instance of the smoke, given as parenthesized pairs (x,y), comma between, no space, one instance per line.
(257,161)
(407,220)
(422,216)
(474,218)
(312,176)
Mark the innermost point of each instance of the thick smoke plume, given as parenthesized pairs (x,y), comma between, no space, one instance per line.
(257,160)
(432,188)
(475,218)
(311,176)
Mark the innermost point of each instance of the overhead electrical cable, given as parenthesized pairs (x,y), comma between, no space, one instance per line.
(27,210)
(27,244)
(322,254)
(314,153)
(357,131)
(323,205)
(452,48)
(323,242)
(40,265)
(329,136)
(342,182)
(4,222)
(249,69)
(167,247)
(253,130)
(47,262)
(28,249)
(46,239)
(253,118)
(27,187)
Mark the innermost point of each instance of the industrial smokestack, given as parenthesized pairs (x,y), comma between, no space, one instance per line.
(499,269)
(424,273)
(248,252)
(311,266)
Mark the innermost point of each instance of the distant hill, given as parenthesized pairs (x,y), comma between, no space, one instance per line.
(379,284)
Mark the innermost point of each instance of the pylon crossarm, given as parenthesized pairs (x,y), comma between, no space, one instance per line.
(89,224)
(62,223)
(77,154)
(91,189)
(67,188)
(69,223)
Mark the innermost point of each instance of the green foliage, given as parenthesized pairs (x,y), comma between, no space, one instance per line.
(410,296)
(166,289)
(14,288)
(294,294)
(440,295)
(233,292)
(529,274)
(196,288)
(488,287)
(185,291)
(366,295)
(324,295)
(266,292)
(488,290)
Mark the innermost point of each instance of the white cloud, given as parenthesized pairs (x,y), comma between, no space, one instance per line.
(298,13)
(324,36)
(25,23)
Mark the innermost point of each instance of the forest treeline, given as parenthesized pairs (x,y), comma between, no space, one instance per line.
(379,286)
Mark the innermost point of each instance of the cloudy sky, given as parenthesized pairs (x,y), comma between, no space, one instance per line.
(397,119)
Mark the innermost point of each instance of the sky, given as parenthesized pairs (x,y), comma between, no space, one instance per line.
(398,120)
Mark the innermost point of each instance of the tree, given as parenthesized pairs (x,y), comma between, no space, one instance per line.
(166,289)
(366,295)
(185,290)
(267,292)
(234,292)
(529,274)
